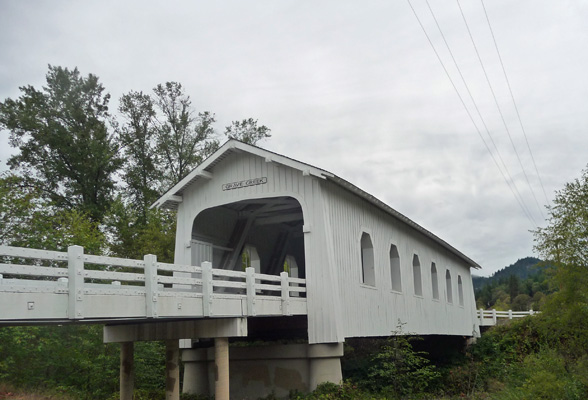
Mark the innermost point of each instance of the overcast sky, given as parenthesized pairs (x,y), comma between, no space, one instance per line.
(354,88)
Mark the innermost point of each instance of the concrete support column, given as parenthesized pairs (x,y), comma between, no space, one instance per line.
(127,371)
(172,370)
(221,364)
(325,364)
(196,371)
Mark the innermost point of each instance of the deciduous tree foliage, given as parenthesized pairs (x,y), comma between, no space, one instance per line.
(28,220)
(63,191)
(565,239)
(184,138)
(564,242)
(66,148)
(141,172)
(247,131)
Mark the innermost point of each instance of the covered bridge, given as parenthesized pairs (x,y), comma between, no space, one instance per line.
(366,266)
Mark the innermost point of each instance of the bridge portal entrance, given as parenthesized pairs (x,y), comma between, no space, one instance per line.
(262,233)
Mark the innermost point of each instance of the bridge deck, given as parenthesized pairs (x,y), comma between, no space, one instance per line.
(39,286)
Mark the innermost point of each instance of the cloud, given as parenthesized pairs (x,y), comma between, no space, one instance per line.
(354,90)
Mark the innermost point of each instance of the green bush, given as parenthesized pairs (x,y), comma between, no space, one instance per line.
(399,371)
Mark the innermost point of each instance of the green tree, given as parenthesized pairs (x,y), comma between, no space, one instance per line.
(399,370)
(513,286)
(131,237)
(141,174)
(18,203)
(66,149)
(184,138)
(565,239)
(29,220)
(564,243)
(247,131)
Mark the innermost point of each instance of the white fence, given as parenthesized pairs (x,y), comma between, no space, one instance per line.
(40,285)
(491,317)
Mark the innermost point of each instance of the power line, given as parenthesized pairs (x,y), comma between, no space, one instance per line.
(519,201)
(514,102)
(498,107)
(515,190)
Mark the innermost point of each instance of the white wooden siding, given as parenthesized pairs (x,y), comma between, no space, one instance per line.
(339,305)
(377,311)
(323,312)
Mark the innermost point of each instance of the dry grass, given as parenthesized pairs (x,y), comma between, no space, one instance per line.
(10,393)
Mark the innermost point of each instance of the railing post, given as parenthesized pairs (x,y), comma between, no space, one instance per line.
(75,273)
(493,316)
(207,288)
(509,314)
(481,316)
(285,293)
(531,312)
(250,282)
(150,285)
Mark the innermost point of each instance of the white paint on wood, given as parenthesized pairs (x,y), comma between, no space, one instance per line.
(335,214)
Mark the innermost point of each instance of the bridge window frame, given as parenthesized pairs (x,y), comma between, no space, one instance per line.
(395,270)
(448,287)
(250,258)
(434,281)
(417,278)
(460,290)
(367,258)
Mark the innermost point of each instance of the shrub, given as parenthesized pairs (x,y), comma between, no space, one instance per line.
(399,371)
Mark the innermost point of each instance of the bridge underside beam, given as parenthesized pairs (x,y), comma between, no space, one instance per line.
(175,330)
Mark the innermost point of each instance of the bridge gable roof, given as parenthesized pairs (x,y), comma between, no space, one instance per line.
(173,196)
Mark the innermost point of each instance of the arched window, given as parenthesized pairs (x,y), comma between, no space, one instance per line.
(291,267)
(460,290)
(448,286)
(250,258)
(416,275)
(368,273)
(434,281)
(395,269)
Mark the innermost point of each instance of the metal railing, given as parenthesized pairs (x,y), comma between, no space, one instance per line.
(41,284)
(491,317)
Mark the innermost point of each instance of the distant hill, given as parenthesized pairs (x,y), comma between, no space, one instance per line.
(523,269)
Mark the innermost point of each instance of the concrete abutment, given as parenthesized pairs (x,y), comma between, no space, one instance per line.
(257,371)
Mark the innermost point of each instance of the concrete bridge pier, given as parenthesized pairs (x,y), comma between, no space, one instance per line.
(257,371)
(171,332)
(127,370)
(172,370)
(221,365)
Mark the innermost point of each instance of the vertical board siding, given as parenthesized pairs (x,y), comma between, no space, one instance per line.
(323,317)
(377,311)
(339,305)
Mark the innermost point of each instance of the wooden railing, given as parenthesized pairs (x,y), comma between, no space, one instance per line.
(41,285)
(491,317)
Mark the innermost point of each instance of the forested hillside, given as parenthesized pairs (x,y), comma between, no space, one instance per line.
(524,268)
(521,286)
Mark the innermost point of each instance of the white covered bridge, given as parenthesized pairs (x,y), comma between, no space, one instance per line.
(267,247)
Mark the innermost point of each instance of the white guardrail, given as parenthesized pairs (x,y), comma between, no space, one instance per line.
(49,285)
(490,317)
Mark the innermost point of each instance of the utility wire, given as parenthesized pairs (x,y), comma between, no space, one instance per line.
(514,102)
(514,188)
(525,211)
(498,107)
